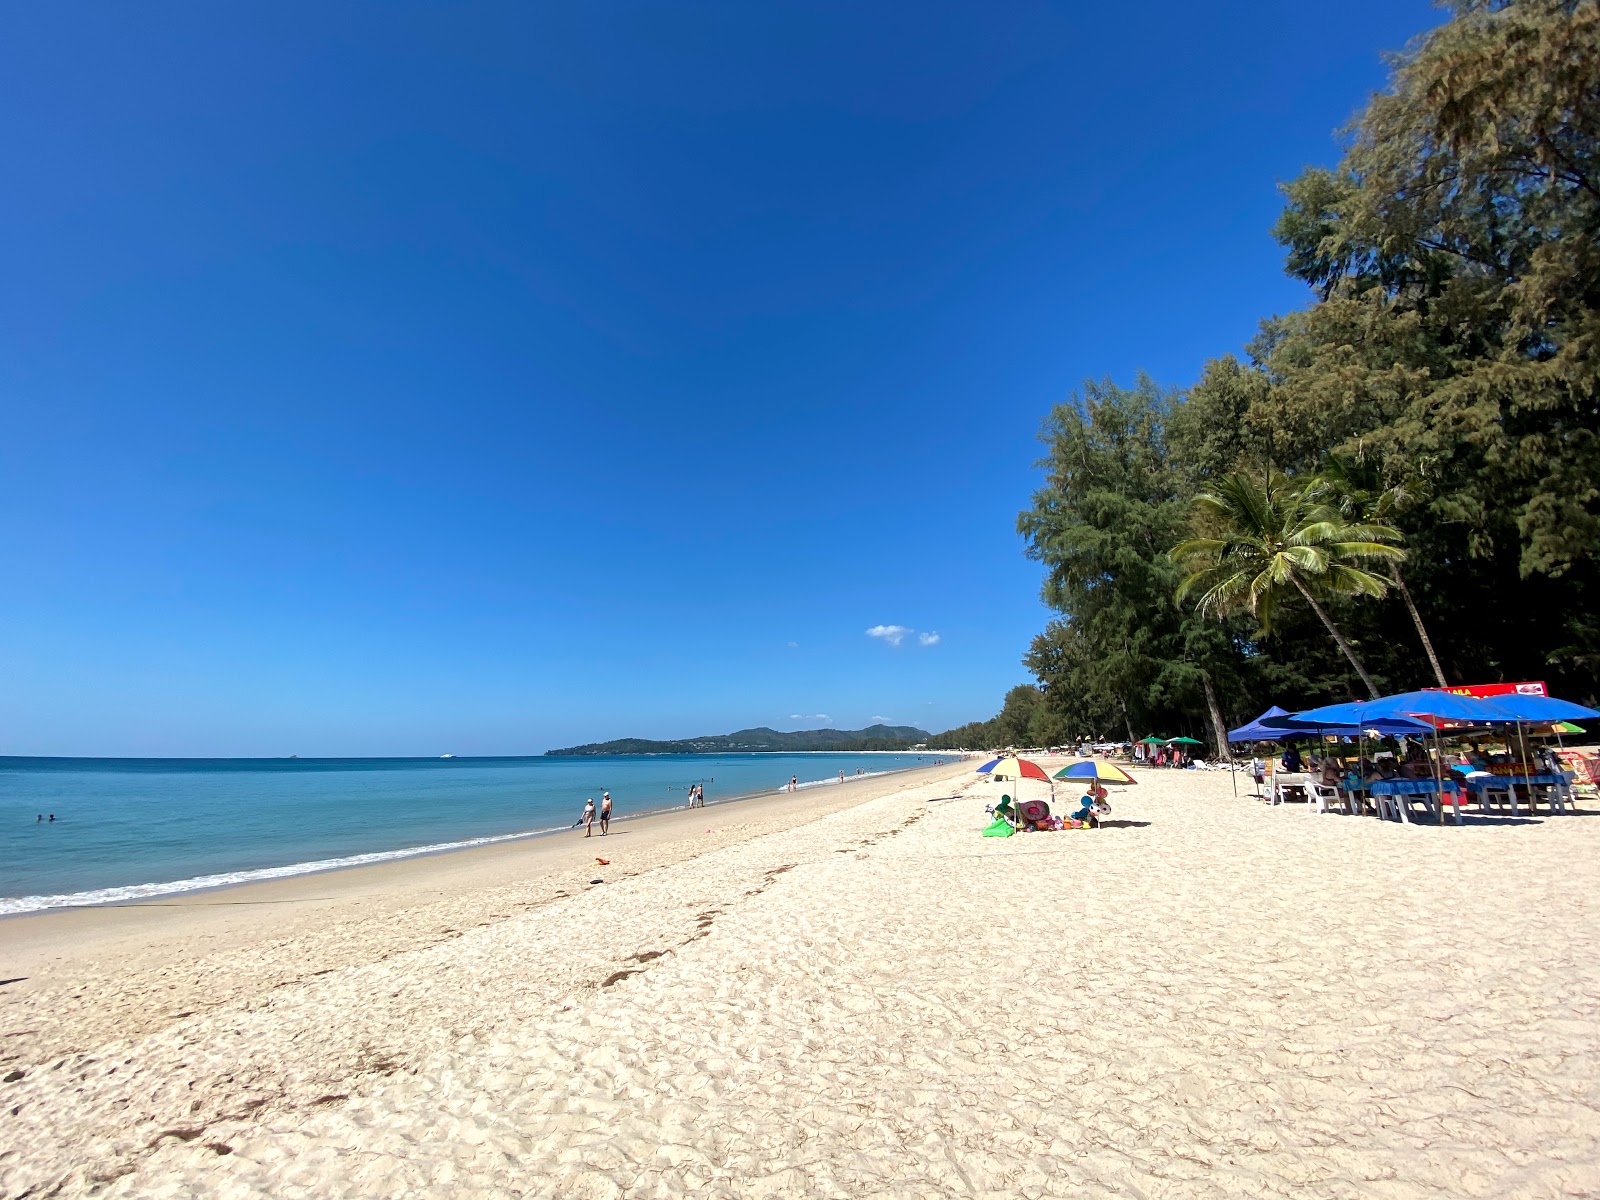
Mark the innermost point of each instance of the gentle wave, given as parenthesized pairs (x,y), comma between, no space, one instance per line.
(133,893)
(836,781)
(10,906)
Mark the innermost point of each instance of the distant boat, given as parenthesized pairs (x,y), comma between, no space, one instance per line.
(447,756)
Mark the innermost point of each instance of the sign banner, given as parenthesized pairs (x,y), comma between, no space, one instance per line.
(1482,690)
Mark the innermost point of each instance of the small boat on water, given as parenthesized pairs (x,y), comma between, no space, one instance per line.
(447,756)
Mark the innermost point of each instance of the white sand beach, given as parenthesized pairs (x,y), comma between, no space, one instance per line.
(842,994)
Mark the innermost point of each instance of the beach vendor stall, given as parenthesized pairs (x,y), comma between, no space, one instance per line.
(1094,806)
(1016,815)
(1437,709)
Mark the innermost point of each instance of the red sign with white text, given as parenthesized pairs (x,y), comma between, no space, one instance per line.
(1496,689)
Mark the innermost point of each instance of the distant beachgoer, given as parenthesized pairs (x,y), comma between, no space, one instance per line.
(794,784)
(588,816)
(52,817)
(605,812)
(40,817)
(841,774)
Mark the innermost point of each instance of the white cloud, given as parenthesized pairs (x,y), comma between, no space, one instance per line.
(893,634)
(882,720)
(794,645)
(927,639)
(823,717)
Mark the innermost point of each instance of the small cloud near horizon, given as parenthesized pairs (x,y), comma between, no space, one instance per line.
(824,717)
(882,720)
(895,634)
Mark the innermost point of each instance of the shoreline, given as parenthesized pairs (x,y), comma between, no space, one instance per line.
(64,948)
(819,995)
(154,890)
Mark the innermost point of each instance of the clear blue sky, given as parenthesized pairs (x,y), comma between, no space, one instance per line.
(402,379)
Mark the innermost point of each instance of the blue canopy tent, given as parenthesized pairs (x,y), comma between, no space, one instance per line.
(1407,706)
(1438,705)
(1255,731)
(1268,727)
(1541,710)
(1265,729)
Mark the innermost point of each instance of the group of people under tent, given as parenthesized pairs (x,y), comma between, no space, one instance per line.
(1406,757)
(1150,755)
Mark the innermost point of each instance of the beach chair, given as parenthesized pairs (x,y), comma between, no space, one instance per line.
(1320,796)
(1282,787)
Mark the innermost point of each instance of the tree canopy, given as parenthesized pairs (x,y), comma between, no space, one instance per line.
(1447,371)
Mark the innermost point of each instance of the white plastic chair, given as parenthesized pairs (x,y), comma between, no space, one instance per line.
(1320,795)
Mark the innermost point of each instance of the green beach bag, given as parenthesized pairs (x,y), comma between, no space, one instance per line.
(1000,828)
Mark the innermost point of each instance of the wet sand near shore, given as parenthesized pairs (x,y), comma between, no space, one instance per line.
(1207,997)
(215,946)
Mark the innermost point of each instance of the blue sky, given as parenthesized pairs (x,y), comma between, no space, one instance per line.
(412,378)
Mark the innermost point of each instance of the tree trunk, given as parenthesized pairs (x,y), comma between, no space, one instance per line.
(1218,725)
(1422,630)
(1349,651)
(1127,721)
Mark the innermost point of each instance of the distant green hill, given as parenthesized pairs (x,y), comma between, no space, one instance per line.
(765,741)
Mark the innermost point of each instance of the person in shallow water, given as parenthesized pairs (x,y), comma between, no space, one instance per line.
(605,812)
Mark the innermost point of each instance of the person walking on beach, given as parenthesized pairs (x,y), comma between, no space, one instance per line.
(605,813)
(588,817)
(699,795)
(794,783)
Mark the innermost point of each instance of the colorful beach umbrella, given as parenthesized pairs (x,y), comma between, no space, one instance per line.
(1010,767)
(1095,769)
(1152,740)
(1020,768)
(1184,741)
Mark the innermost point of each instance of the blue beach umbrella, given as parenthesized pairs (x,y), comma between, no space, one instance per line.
(1542,709)
(1407,706)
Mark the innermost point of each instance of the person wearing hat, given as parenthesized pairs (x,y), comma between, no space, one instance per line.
(605,812)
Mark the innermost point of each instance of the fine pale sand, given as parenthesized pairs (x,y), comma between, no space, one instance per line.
(841,994)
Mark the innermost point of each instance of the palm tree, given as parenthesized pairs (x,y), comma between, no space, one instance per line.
(1271,537)
(1364,504)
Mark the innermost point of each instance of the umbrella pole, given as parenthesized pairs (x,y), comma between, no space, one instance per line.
(1438,770)
(1533,803)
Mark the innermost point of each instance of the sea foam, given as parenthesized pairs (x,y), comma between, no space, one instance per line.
(132,894)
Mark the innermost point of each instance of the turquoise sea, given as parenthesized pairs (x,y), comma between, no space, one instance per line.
(128,829)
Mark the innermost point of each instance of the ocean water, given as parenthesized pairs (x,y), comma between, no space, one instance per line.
(130,829)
